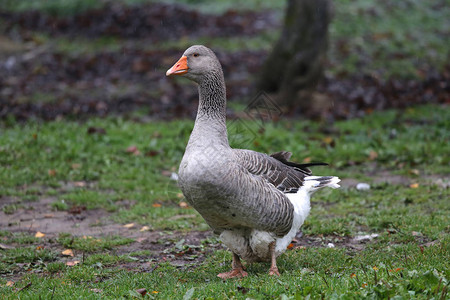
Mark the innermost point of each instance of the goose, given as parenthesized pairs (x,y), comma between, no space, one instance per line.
(255,202)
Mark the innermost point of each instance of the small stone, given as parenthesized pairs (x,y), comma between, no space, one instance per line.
(362,186)
(330,245)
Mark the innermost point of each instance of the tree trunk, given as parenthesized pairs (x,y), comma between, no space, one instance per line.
(295,65)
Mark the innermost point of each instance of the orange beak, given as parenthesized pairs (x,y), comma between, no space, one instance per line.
(179,68)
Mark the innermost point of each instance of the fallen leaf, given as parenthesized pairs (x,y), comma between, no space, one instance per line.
(133,150)
(39,234)
(67,252)
(189,294)
(76,210)
(290,246)
(156,205)
(140,240)
(373,155)
(79,183)
(414,172)
(414,185)
(48,216)
(145,228)
(76,166)
(39,247)
(51,172)
(307,160)
(10,283)
(155,292)
(130,225)
(99,130)
(375,268)
(327,140)
(151,153)
(183,204)
(142,292)
(72,263)
(180,196)
(353,275)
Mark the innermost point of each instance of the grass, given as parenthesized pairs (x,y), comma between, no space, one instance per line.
(409,258)
(389,39)
(121,166)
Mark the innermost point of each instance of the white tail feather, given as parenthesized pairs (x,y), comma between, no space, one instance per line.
(313,183)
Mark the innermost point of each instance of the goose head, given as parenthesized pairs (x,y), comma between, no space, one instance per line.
(197,63)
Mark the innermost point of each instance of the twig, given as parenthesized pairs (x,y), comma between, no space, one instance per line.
(53,292)
(444,292)
(324,279)
(25,287)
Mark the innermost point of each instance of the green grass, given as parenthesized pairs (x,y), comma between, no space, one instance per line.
(388,39)
(73,7)
(409,258)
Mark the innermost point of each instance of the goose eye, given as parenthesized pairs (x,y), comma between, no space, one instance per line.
(196,54)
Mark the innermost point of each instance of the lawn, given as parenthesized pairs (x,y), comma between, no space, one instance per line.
(102,189)
(91,136)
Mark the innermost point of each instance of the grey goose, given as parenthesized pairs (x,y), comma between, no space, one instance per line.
(255,202)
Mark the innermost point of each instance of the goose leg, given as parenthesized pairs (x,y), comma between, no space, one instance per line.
(237,270)
(273,260)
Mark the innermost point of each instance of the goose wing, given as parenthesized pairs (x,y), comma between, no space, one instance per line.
(276,169)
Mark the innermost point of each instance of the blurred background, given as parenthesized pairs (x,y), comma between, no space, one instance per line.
(332,59)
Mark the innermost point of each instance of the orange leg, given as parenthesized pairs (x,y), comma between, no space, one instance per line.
(273,262)
(237,270)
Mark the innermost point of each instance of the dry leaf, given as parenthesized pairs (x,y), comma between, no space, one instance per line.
(414,185)
(307,160)
(180,196)
(414,172)
(79,183)
(39,234)
(183,204)
(76,166)
(140,240)
(133,150)
(142,292)
(39,247)
(373,155)
(145,228)
(156,205)
(290,246)
(51,172)
(48,216)
(72,263)
(10,283)
(67,252)
(130,225)
(327,140)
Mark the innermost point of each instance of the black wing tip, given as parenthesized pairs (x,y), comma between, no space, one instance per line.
(313,164)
